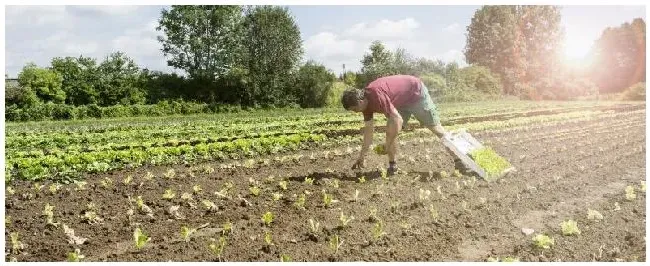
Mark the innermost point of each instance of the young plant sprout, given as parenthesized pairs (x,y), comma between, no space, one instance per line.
(210,205)
(186,196)
(217,248)
(373,214)
(140,238)
(335,243)
(127,180)
(277,196)
(569,228)
(434,213)
(300,202)
(255,191)
(226,228)
(457,173)
(75,256)
(594,215)
(196,189)
(143,207)
(54,188)
(148,176)
(170,174)
(10,191)
(285,258)
(107,182)
(334,183)
(309,181)
(7,221)
(268,239)
(80,185)
(92,218)
(356,195)
(345,219)
(439,190)
(283,184)
(362,179)
(173,211)
(444,174)
(38,187)
(327,199)
(617,207)
(424,194)
(169,194)
(314,227)
(48,212)
(186,232)
(16,245)
(543,241)
(630,195)
(378,230)
(267,218)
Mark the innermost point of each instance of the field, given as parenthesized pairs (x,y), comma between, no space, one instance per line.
(268,186)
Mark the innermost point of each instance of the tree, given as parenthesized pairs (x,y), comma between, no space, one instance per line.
(519,43)
(201,40)
(120,81)
(80,79)
(314,82)
(40,85)
(375,64)
(272,49)
(620,57)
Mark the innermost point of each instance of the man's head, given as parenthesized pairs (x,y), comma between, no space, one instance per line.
(353,100)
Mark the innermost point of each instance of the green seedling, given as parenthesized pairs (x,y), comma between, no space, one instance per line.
(210,205)
(54,188)
(38,187)
(434,213)
(208,169)
(149,176)
(140,238)
(80,185)
(91,217)
(309,181)
(444,174)
(439,190)
(7,221)
(170,174)
(107,182)
(335,243)
(48,212)
(327,199)
(300,202)
(378,230)
(543,241)
(277,196)
(255,191)
(283,184)
(457,173)
(362,179)
(630,195)
(267,218)
(186,196)
(75,256)
(217,248)
(490,161)
(424,194)
(384,174)
(617,207)
(268,239)
(186,232)
(10,191)
(334,183)
(345,219)
(227,228)
(16,244)
(373,214)
(169,194)
(285,258)
(197,189)
(127,180)
(569,228)
(314,227)
(594,215)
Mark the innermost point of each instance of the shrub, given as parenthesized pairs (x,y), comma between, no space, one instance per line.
(635,92)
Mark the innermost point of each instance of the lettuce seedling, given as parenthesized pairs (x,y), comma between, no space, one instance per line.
(283,184)
(314,227)
(127,180)
(7,221)
(170,174)
(335,243)
(630,195)
(362,179)
(543,241)
(107,182)
(444,174)
(48,212)
(285,258)
(226,228)
(378,230)
(424,195)
(186,232)
(268,239)
(255,191)
(490,161)
(373,214)
(617,207)
(75,256)
(345,219)
(80,185)
(300,202)
(217,249)
(10,191)
(196,189)
(594,215)
(434,213)
(54,188)
(569,228)
(327,199)
(267,218)
(277,196)
(210,205)
(140,238)
(148,176)
(92,218)
(16,244)
(38,187)
(309,181)
(186,196)
(169,194)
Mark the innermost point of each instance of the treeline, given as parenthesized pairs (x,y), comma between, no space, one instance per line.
(241,57)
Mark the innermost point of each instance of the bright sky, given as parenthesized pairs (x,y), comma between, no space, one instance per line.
(332,35)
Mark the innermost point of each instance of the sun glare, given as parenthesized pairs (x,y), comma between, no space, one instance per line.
(576,51)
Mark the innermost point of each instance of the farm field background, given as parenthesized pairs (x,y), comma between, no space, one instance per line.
(89,184)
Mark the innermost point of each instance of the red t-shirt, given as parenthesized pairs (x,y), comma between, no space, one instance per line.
(390,92)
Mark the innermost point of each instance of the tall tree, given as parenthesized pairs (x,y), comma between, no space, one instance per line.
(80,79)
(375,64)
(202,40)
(120,81)
(272,50)
(39,85)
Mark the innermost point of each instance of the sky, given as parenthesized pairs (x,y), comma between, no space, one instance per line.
(332,35)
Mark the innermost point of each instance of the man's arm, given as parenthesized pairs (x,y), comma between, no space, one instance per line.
(368,130)
(394,126)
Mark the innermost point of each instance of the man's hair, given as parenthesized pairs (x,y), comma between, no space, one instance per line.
(351,97)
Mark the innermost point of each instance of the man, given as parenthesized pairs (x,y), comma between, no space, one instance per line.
(397,97)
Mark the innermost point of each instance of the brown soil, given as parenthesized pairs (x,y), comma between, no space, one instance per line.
(558,177)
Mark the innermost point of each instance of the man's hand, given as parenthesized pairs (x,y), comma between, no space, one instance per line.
(360,163)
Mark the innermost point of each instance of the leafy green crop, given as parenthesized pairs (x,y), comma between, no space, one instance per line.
(490,161)
(75,256)
(543,241)
(569,228)
(267,218)
(140,238)
(630,195)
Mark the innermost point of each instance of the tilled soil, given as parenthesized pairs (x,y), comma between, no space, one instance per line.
(563,170)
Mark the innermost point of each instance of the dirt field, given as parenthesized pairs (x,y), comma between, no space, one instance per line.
(563,170)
